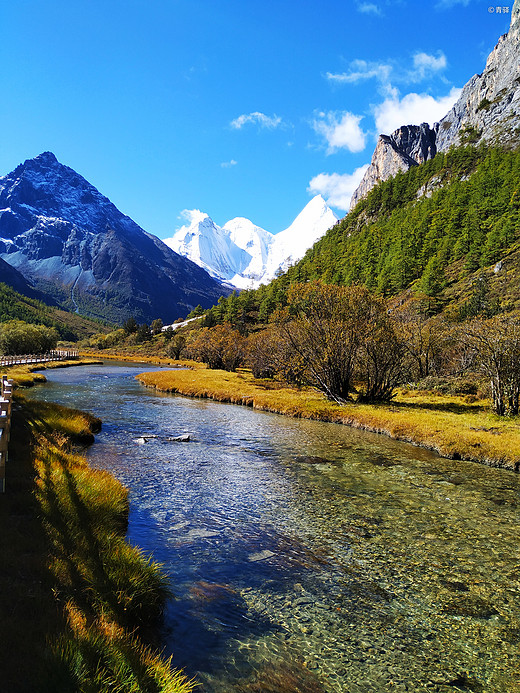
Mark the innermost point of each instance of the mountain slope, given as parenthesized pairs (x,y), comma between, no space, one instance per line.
(428,228)
(73,244)
(10,276)
(448,230)
(69,326)
(488,110)
(245,255)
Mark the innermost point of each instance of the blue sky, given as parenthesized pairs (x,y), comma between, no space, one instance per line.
(236,108)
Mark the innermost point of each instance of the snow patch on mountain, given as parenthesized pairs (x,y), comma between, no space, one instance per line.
(245,255)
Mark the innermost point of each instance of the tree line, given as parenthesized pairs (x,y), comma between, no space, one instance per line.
(19,337)
(354,345)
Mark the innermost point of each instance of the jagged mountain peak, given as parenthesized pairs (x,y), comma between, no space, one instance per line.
(487,110)
(72,242)
(244,254)
(46,157)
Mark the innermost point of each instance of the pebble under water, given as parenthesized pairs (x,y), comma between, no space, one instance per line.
(309,557)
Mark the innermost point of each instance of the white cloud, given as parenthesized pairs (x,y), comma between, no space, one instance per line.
(369,8)
(257,118)
(412,109)
(336,188)
(361,70)
(192,216)
(447,4)
(229,164)
(424,65)
(341,131)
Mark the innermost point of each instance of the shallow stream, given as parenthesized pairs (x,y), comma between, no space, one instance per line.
(308,557)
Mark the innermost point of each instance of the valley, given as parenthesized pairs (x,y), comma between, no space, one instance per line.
(351,527)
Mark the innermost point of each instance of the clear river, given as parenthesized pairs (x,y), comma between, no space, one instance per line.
(308,557)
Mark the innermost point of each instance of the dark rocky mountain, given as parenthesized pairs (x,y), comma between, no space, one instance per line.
(74,245)
(488,110)
(10,276)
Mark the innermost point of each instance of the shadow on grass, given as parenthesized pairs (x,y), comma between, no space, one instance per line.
(86,597)
(449,407)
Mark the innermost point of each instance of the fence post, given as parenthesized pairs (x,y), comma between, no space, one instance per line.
(6,390)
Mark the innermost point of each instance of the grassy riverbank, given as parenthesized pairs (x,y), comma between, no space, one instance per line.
(79,605)
(25,376)
(454,426)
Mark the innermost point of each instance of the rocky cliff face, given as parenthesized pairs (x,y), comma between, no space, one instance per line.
(488,110)
(408,146)
(73,244)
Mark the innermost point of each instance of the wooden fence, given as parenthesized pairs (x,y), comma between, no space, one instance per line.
(55,355)
(6,397)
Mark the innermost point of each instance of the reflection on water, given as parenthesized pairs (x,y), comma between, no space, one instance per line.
(307,556)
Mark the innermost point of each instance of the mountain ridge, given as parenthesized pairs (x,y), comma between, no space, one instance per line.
(245,255)
(487,110)
(72,243)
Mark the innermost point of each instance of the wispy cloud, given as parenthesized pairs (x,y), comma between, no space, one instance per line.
(412,109)
(424,65)
(340,131)
(256,118)
(360,71)
(228,164)
(447,4)
(369,8)
(336,188)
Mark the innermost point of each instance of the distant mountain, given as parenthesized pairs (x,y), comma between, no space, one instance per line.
(73,244)
(10,276)
(488,110)
(245,255)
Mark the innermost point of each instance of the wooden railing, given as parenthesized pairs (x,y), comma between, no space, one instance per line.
(55,355)
(6,397)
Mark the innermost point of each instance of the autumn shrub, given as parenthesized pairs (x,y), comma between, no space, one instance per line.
(218,347)
(18,337)
(495,343)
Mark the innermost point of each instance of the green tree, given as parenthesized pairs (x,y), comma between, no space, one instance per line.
(156,326)
(130,326)
(18,337)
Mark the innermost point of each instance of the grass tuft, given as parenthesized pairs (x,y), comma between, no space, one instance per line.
(98,598)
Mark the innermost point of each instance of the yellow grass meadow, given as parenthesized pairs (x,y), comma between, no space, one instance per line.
(453,426)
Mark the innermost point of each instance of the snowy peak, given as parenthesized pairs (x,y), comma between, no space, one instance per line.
(311,223)
(290,245)
(245,255)
(72,243)
(209,246)
(54,190)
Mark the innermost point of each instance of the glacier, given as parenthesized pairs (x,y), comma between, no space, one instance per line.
(244,255)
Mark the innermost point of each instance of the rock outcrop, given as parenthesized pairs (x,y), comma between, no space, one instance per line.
(408,146)
(488,110)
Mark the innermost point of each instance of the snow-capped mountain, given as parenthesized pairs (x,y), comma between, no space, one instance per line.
(290,245)
(244,255)
(70,242)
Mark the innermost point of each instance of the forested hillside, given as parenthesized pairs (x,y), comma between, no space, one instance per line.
(69,326)
(462,205)
(436,229)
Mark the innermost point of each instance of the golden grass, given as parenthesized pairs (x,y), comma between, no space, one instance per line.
(451,425)
(77,601)
(24,376)
(135,357)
